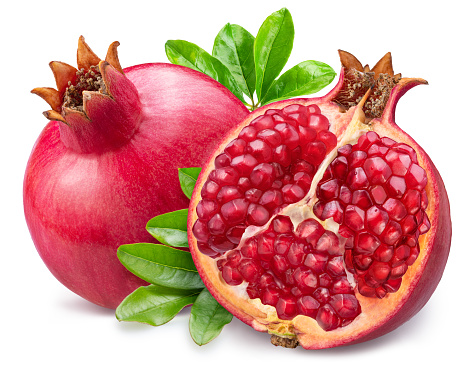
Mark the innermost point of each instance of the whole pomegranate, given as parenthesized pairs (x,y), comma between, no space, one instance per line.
(319,220)
(107,162)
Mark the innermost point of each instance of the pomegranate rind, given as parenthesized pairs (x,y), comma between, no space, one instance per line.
(379,316)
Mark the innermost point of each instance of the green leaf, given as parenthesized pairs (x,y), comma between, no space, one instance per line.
(207,318)
(185,53)
(187,178)
(234,46)
(170,228)
(161,265)
(303,79)
(272,48)
(154,305)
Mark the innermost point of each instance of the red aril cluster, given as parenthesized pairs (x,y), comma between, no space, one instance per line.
(375,190)
(269,165)
(297,271)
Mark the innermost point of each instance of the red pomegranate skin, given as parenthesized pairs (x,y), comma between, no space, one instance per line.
(83,198)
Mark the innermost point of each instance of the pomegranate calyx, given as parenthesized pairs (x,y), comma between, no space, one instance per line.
(72,82)
(358,79)
(285,342)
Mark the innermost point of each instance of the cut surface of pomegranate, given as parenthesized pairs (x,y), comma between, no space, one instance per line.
(320,220)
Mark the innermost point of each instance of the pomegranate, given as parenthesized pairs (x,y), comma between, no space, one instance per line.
(107,162)
(319,220)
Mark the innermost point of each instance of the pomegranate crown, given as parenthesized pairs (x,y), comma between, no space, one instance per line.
(72,82)
(358,79)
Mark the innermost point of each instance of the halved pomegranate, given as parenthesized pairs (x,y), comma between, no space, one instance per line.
(319,220)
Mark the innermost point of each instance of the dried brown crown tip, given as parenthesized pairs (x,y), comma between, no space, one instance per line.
(358,79)
(71,82)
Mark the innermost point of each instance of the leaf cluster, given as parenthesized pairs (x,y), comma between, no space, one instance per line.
(248,66)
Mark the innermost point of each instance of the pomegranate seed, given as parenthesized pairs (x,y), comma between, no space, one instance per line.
(222,160)
(322,295)
(265,281)
(362,199)
(261,151)
(393,285)
(270,296)
(328,243)
(304,180)
(286,307)
(265,248)
(234,211)
(399,162)
(282,155)
(216,225)
(228,193)
(396,186)
(263,122)
(356,179)
(236,147)
(425,226)
(271,199)
(317,262)
(220,244)
(231,275)
(307,135)
(416,177)
(378,194)
(296,254)
(253,195)
(377,149)
(270,136)
(310,229)
(235,233)
(345,150)
(354,218)
(404,148)
(210,190)
(315,152)
(379,271)
(412,201)
(257,215)
(289,135)
(244,164)
(308,306)
(249,248)
(377,170)
(206,208)
(376,219)
(409,224)
(395,209)
(325,280)
(366,244)
(200,231)
(366,140)
(345,194)
(204,248)
(318,122)
(341,286)
(392,233)
(244,184)
(313,109)
(414,253)
(262,176)
(356,159)
(248,133)
(346,306)
(328,138)
(327,318)
(282,224)
(329,189)
(225,176)
(362,262)
(398,271)
(340,167)
(383,253)
(250,270)
(292,193)
(335,267)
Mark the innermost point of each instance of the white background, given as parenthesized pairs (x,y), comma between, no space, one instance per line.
(42,322)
